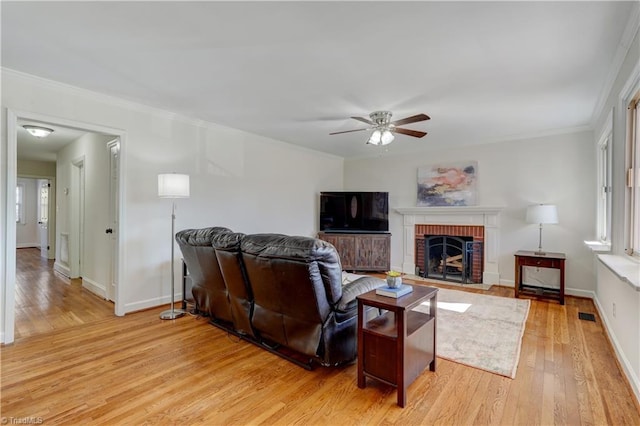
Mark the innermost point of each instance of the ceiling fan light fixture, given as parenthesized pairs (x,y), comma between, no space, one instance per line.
(376,138)
(38,131)
(387,137)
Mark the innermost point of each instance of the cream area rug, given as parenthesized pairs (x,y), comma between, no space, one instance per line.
(480,331)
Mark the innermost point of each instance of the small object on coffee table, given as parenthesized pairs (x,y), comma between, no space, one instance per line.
(394,291)
(394,279)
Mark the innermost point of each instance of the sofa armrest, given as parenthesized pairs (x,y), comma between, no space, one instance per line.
(355,288)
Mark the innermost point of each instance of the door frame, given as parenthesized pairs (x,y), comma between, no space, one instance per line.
(76,207)
(7,335)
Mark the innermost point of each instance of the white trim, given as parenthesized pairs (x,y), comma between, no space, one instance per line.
(8,333)
(633,24)
(64,270)
(598,246)
(139,107)
(578,292)
(630,88)
(153,303)
(486,216)
(626,268)
(448,210)
(94,287)
(28,245)
(622,358)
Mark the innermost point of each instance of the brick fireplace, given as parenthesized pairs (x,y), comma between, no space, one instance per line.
(481,223)
(469,232)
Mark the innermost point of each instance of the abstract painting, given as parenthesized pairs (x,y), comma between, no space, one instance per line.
(452,184)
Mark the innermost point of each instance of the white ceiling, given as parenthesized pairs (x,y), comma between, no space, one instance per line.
(295,71)
(44,149)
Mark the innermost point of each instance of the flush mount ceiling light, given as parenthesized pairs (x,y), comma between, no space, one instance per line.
(38,131)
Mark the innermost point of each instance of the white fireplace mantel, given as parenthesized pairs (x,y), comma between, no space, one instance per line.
(487,216)
(449,210)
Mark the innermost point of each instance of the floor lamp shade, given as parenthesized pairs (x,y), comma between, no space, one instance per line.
(173,185)
(542,214)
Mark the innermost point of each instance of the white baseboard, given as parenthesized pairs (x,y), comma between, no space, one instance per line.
(27,245)
(94,287)
(64,270)
(578,292)
(507,283)
(151,303)
(622,359)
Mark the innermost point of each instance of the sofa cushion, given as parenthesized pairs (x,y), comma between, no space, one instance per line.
(209,289)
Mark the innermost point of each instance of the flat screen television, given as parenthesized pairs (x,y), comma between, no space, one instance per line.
(354,211)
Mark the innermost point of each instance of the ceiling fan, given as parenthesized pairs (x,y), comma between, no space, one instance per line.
(383,128)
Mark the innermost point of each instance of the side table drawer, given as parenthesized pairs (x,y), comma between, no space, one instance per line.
(541,263)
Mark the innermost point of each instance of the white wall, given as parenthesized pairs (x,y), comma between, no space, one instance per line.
(239,180)
(92,148)
(624,325)
(27,234)
(553,169)
(619,305)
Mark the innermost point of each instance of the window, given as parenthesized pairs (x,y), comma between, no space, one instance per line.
(20,203)
(604,185)
(633,176)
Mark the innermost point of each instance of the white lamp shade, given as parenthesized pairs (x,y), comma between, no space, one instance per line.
(542,213)
(173,185)
(387,137)
(375,138)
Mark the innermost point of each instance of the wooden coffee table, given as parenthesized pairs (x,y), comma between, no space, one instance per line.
(396,346)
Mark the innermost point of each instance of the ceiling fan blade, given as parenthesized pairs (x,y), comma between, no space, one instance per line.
(414,133)
(412,119)
(347,131)
(364,120)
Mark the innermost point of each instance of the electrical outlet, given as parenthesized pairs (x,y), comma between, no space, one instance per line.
(614,309)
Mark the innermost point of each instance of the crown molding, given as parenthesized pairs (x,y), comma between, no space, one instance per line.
(143,108)
(103,98)
(631,29)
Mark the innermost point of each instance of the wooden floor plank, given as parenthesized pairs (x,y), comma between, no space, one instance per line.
(76,363)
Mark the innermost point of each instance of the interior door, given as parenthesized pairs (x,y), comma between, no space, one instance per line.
(43,216)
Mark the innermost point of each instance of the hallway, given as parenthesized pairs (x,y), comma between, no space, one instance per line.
(47,300)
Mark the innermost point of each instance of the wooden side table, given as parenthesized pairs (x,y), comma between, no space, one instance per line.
(397,346)
(186,287)
(547,260)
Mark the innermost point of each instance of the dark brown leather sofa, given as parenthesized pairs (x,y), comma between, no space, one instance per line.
(281,292)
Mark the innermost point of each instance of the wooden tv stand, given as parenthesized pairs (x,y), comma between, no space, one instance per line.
(361,252)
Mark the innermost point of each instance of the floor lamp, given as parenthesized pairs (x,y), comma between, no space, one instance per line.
(541,214)
(173,185)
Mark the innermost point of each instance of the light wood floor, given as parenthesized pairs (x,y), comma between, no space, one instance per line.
(139,369)
(47,301)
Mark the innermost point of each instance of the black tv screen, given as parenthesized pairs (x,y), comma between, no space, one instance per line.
(344,211)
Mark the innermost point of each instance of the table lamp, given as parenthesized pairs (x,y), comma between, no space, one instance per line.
(542,214)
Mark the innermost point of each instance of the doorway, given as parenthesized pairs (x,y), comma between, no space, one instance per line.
(13,119)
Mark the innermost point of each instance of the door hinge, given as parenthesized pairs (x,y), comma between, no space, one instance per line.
(48,248)
(629,178)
